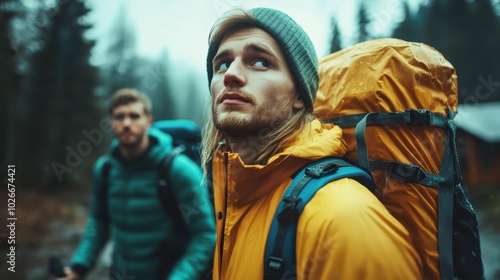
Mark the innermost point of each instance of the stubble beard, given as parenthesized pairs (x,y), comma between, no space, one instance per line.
(132,145)
(258,123)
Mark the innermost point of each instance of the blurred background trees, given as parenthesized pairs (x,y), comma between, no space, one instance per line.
(54,100)
(466,32)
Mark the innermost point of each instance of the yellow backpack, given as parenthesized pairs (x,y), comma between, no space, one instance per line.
(395,101)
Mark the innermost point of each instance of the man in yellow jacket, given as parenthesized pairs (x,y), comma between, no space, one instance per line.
(263,75)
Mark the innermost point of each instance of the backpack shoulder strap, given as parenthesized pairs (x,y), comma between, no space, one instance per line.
(165,192)
(280,247)
(102,198)
(105,169)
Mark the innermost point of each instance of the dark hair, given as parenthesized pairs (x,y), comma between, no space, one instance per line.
(126,96)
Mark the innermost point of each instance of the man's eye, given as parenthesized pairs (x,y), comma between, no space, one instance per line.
(223,66)
(119,117)
(134,116)
(261,63)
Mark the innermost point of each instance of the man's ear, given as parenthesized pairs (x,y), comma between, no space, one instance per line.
(298,103)
(150,120)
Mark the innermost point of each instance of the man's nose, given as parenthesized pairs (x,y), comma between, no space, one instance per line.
(235,74)
(127,120)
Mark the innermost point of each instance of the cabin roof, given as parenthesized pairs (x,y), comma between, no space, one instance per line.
(481,120)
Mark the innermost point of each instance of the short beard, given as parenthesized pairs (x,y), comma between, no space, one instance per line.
(261,123)
(238,127)
(132,145)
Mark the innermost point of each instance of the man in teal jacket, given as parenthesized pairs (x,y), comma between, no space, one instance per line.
(132,212)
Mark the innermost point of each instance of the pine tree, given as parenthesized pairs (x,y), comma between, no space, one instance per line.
(10,82)
(363,22)
(468,35)
(406,30)
(485,36)
(165,92)
(335,42)
(61,86)
(120,68)
(155,82)
(447,28)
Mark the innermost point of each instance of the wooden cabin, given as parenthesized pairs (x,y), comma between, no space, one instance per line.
(478,142)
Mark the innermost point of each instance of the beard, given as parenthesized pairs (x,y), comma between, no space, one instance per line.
(261,121)
(132,143)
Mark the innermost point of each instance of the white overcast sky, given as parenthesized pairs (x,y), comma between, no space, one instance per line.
(182,27)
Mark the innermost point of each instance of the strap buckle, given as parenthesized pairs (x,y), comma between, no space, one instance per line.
(290,210)
(276,266)
(406,172)
(320,170)
(419,117)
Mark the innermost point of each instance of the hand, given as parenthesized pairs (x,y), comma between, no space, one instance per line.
(70,275)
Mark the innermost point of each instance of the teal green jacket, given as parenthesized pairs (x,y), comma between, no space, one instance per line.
(137,222)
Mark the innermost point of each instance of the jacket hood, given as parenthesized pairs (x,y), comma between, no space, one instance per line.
(250,182)
(316,141)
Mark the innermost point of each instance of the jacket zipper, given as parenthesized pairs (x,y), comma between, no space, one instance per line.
(222,236)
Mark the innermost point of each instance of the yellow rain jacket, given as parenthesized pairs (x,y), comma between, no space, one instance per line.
(344,231)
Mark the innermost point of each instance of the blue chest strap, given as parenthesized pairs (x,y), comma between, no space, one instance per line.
(280,248)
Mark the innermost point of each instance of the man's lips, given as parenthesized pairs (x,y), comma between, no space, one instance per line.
(127,133)
(233,99)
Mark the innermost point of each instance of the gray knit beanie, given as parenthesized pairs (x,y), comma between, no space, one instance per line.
(296,46)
